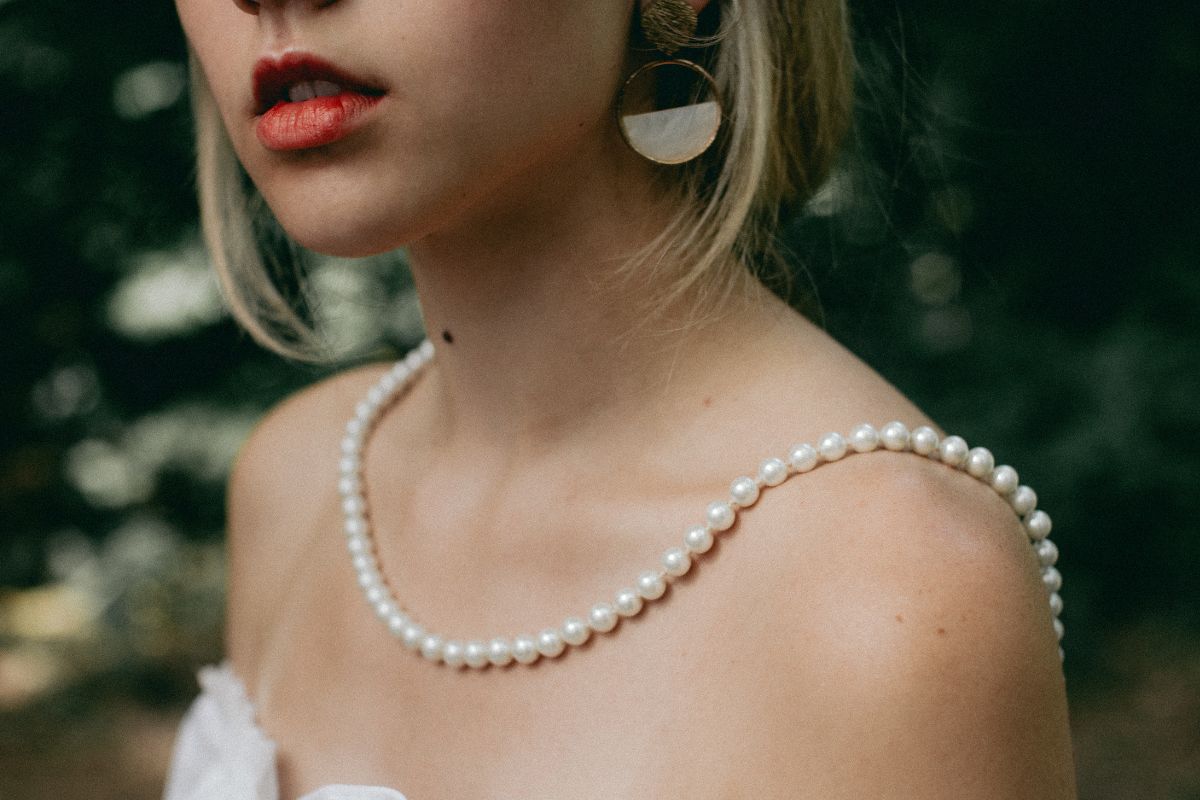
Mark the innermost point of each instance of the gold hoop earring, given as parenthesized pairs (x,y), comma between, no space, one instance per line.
(661,109)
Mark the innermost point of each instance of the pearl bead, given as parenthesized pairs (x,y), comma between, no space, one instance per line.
(1023,500)
(367,578)
(355,525)
(1047,552)
(413,359)
(366,566)
(348,485)
(650,585)
(475,654)
(425,348)
(1056,603)
(1052,579)
(375,594)
(924,440)
(1038,525)
(400,371)
(628,603)
(550,644)
(698,539)
(388,383)
(364,411)
(352,506)
(500,652)
(894,436)
(772,472)
(832,446)
(431,647)
(720,516)
(953,451)
(358,544)
(350,445)
(453,653)
(1005,480)
(744,491)
(603,617)
(803,457)
(524,650)
(676,562)
(575,631)
(349,465)
(412,636)
(1059,630)
(375,395)
(980,462)
(864,439)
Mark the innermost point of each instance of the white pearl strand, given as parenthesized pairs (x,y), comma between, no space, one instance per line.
(676,561)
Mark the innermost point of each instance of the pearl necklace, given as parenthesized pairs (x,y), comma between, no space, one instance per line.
(676,561)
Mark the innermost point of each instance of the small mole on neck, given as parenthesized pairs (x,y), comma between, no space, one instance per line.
(447,337)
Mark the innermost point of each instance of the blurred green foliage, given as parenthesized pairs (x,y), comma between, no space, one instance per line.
(1013,242)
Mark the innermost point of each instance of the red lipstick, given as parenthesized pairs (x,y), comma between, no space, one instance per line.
(303,102)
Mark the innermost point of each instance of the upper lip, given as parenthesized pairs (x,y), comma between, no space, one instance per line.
(273,76)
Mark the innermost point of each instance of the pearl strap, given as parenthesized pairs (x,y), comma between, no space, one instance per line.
(651,584)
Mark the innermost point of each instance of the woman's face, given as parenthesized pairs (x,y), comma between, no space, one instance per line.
(424,108)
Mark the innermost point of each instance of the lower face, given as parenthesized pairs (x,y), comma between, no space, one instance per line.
(453,99)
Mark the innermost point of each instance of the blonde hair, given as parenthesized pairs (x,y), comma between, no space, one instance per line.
(785,73)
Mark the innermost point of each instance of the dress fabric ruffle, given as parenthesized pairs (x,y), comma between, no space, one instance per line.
(221,753)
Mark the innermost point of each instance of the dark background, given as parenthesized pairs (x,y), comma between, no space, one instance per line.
(1013,243)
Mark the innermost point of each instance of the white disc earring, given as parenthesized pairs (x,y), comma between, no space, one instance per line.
(668,111)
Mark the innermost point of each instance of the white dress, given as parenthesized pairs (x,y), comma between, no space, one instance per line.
(222,754)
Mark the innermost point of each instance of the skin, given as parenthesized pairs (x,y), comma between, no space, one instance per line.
(876,628)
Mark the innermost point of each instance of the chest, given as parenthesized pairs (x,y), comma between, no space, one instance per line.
(679,701)
(683,699)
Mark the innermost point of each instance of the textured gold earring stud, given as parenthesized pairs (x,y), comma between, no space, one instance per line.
(668,24)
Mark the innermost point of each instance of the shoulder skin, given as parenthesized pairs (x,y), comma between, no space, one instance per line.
(917,638)
(283,479)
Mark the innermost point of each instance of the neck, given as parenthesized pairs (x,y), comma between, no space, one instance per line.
(533,330)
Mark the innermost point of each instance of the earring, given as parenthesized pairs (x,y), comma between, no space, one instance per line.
(661,110)
(668,24)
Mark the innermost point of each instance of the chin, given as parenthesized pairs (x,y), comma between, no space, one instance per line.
(353,215)
(341,232)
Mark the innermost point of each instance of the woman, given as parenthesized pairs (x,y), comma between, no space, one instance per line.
(601,365)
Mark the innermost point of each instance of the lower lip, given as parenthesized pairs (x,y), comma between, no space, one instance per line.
(314,123)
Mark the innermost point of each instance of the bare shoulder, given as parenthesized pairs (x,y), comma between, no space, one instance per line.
(918,613)
(283,479)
